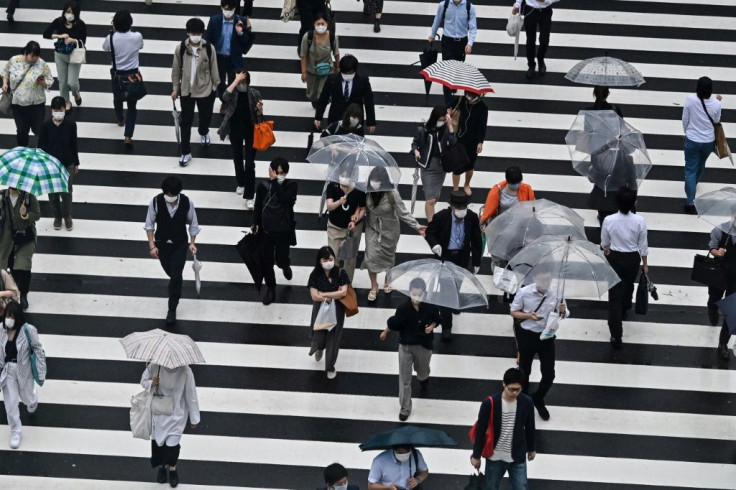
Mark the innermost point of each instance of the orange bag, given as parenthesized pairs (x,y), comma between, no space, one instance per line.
(263,137)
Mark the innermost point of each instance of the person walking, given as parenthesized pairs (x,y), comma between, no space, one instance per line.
(327,283)
(67,30)
(699,113)
(318,48)
(427,153)
(10,11)
(347,208)
(351,123)
(169,214)
(624,241)
(28,77)
(505,194)
(125,46)
(336,478)
(243,107)
(723,249)
(374,8)
(454,236)
(178,384)
(18,339)
(59,139)
(345,88)
(308,12)
(537,17)
(511,415)
(274,217)
(382,230)
(19,212)
(9,291)
(459,29)
(530,309)
(468,119)
(195,77)
(415,321)
(393,468)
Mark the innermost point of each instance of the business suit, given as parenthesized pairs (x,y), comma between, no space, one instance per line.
(239,47)
(332,93)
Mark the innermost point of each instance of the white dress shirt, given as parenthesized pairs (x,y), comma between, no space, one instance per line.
(696,124)
(537,4)
(528,298)
(625,233)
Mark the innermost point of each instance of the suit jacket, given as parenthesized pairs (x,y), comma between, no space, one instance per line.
(439,229)
(239,45)
(360,93)
(522,441)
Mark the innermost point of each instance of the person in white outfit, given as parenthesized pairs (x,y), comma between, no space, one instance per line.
(177,383)
(17,338)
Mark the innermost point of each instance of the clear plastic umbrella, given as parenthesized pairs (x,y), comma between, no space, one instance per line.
(526,221)
(446,284)
(719,209)
(607,150)
(578,267)
(605,71)
(197,267)
(357,159)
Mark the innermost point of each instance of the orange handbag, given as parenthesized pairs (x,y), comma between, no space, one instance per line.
(263,137)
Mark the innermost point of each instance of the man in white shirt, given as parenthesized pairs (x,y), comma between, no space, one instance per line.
(624,241)
(402,467)
(537,15)
(530,309)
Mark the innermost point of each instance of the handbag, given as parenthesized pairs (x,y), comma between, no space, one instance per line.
(161,404)
(326,317)
(131,86)
(721,148)
(34,358)
(26,235)
(350,302)
(487,451)
(322,69)
(6,100)
(140,415)
(642,295)
(63,48)
(454,157)
(79,55)
(263,137)
(288,11)
(709,270)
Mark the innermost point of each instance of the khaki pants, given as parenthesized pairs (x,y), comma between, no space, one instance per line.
(416,357)
(335,237)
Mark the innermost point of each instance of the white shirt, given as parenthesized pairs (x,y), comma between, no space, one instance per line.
(502,451)
(179,384)
(195,61)
(127,46)
(191,216)
(625,233)
(528,298)
(386,469)
(537,4)
(696,124)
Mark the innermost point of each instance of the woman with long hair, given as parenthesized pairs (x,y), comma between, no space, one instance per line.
(427,152)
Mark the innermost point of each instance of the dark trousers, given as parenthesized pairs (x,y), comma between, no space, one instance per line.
(306,17)
(715,295)
(173,256)
(204,106)
(452,50)
(460,259)
(164,455)
(61,202)
(241,143)
(324,340)
(22,280)
(540,19)
(626,265)
(225,70)
(530,344)
(12,5)
(118,97)
(275,251)
(27,118)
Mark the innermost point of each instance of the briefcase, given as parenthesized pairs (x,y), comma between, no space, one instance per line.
(709,271)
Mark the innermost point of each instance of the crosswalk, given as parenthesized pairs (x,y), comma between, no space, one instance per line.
(661,413)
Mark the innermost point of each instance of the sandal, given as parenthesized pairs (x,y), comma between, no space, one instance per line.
(372,295)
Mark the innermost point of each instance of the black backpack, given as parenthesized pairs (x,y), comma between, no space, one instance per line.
(447,4)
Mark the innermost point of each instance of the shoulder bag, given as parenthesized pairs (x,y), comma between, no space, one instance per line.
(453,157)
(721,148)
(488,446)
(131,86)
(161,404)
(79,55)
(350,302)
(6,100)
(140,415)
(26,235)
(34,359)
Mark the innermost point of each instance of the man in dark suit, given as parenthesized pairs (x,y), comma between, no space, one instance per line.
(232,38)
(454,234)
(345,88)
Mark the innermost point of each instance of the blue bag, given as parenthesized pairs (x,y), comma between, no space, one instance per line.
(34,366)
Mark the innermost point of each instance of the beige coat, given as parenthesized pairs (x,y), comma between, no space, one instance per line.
(206,78)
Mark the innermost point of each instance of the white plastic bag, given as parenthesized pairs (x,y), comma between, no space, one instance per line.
(326,317)
(513,27)
(553,324)
(505,280)
(140,415)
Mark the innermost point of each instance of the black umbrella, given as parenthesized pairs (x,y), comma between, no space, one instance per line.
(426,58)
(408,435)
(250,250)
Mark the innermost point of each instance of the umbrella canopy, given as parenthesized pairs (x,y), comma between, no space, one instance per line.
(605,71)
(457,76)
(426,58)
(33,170)
(526,221)
(358,160)
(577,267)
(250,249)
(719,209)
(196,267)
(607,150)
(446,284)
(163,348)
(177,120)
(408,435)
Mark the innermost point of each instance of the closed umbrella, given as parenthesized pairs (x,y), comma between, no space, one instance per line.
(457,75)
(250,249)
(414,188)
(33,170)
(177,121)
(408,435)
(605,71)
(719,209)
(426,58)
(163,348)
(196,267)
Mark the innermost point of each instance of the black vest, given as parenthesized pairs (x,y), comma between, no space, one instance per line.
(168,228)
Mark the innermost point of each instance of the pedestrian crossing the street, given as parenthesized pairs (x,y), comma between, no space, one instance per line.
(660,413)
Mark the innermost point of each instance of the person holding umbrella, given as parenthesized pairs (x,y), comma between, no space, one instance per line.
(398,468)
(19,238)
(427,153)
(537,15)
(168,216)
(722,247)
(346,206)
(505,194)
(468,119)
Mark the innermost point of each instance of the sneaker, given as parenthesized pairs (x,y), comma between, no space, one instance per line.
(239,190)
(713,315)
(173,478)
(15,441)
(541,408)
(332,374)
(249,204)
(318,355)
(288,273)
(403,417)
(57,223)
(723,352)
(32,408)
(205,140)
(162,475)
(185,159)
(68,223)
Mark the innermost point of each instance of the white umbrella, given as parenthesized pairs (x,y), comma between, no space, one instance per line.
(163,348)
(197,266)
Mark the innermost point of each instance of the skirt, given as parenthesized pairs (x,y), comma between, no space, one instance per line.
(433,177)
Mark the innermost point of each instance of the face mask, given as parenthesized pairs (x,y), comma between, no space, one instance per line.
(228,13)
(472,99)
(280,179)
(328,265)
(348,78)
(460,213)
(242,87)
(9,323)
(354,122)
(320,29)
(375,184)
(515,187)
(341,487)
(344,180)
(58,116)
(440,124)
(543,287)
(69,17)
(402,458)
(171,199)
(195,39)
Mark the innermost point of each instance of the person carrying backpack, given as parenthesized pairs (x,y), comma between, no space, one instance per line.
(459,28)
(195,78)
(317,49)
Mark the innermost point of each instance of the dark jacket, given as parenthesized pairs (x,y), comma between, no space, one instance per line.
(239,44)
(285,195)
(427,142)
(439,229)
(78,29)
(336,129)
(360,93)
(230,99)
(411,323)
(472,124)
(60,141)
(523,438)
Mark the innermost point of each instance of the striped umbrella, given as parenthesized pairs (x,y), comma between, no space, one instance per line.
(457,76)
(163,348)
(33,170)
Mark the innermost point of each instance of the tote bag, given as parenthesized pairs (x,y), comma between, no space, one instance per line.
(140,415)
(350,302)
(79,55)
(488,446)
(709,271)
(263,137)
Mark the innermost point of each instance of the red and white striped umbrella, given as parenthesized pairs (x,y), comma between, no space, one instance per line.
(457,76)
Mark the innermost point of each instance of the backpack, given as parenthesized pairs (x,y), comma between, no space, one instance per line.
(183,47)
(310,38)
(447,4)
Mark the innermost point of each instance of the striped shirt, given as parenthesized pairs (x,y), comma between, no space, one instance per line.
(502,451)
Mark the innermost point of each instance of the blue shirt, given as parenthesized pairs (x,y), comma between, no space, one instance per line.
(457,24)
(223,47)
(457,234)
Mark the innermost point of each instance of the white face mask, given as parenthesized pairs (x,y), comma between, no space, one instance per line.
(320,29)
(402,458)
(228,13)
(344,180)
(348,78)
(69,17)
(328,265)
(340,487)
(58,116)
(280,179)
(460,213)
(171,199)
(375,184)
(195,39)
(354,122)
(242,87)
(9,323)
(440,124)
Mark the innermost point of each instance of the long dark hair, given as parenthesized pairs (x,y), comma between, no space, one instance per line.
(437,112)
(325,253)
(353,110)
(601,96)
(75,10)
(16,311)
(704,88)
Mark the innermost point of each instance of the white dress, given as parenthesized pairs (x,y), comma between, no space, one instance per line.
(178,383)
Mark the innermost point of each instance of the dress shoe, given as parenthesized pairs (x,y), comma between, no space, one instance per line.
(616,343)
(24,302)
(403,417)
(57,223)
(78,100)
(318,355)
(541,408)
(171,317)
(424,384)
(377,26)
(723,352)
(288,273)
(128,141)
(690,209)
(446,335)
(162,475)
(270,296)
(713,315)
(121,122)
(530,73)
(173,478)
(542,68)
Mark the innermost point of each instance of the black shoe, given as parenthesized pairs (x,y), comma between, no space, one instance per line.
(530,73)
(288,273)
(24,302)
(446,335)
(616,343)
(78,100)
(723,352)
(424,384)
(541,408)
(162,475)
(171,317)
(173,478)
(689,209)
(376,26)
(403,417)
(270,296)
(11,19)
(713,315)
(542,68)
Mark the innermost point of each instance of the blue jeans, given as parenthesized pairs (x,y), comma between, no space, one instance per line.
(496,469)
(118,98)
(695,156)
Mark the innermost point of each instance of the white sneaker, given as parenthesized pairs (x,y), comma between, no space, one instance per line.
(318,355)
(249,204)
(205,140)
(332,374)
(32,408)
(14,441)
(239,191)
(185,159)
(149,2)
